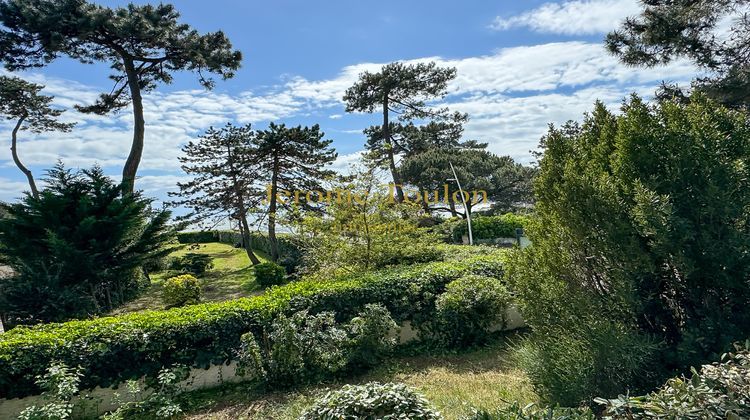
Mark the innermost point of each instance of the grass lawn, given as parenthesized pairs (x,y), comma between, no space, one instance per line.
(482,378)
(232,277)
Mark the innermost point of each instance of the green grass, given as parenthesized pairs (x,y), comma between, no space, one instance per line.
(453,383)
(232,277)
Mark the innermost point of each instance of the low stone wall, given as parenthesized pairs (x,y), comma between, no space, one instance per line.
(100,400)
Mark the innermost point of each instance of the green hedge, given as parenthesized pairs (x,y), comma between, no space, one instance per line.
(113,349)
(491,227)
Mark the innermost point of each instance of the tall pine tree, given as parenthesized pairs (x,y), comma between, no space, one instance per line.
(144,45)
(403,89)
(223,165)
(294,162)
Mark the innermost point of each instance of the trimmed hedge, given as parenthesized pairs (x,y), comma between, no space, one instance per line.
(113,349)
(491,227)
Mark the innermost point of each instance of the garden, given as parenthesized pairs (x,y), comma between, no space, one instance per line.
(430,279)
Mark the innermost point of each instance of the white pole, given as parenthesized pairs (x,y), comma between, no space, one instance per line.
(463,199)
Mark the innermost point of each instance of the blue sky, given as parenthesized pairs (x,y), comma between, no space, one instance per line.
(521,65)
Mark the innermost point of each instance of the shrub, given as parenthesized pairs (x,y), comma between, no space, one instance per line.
(60,384)
(469,307)
(113,349)
(160,403)
(370,336)
(305,348)
(718,391)
(78,249)
(491,227)
(640,226)
(269,274)
(193,263)
(372,401)
(181,290)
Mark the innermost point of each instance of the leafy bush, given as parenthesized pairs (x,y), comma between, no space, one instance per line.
(372,401)
(470,306)
(532,412)
(718,391)
(193,263)
(640,228)
(60,384)
(78,249)
(370,336)
(161,403)
(305,348)
(491,227)
(181,290)
(113,349)
(269,274)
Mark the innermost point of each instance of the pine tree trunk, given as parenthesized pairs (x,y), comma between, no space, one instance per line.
(14,152)
(246,239)
(272,211)
(389,150)
(136,149)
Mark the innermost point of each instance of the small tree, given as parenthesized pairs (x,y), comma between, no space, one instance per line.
(294,160)
(144,44)
(223,164)
(78,249)
(405,90)
(21,102)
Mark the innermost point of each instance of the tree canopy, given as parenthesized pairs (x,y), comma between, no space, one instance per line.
(144,45)
(712,34)
(403,89)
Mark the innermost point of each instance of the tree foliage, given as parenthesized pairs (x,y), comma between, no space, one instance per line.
(78,249)
(712,34)
(21,102)
(223,167)
(293,161)
(403,89)
(507,184)
(641,236)
(144,45)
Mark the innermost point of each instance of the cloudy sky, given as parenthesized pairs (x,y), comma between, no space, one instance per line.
(521,65)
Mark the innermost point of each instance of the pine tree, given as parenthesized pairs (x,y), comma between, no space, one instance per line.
(672,29)
(403,89)
(223,165)
(144,44)
(21,102)
(294,161)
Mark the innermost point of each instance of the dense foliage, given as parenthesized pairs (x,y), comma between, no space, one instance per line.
(269,274)
(192,263)
(180,291)
(372,400)
(113,349)
(78,249)
(491,227)
(469,308)
(308,347)
(718,391)
(640,236)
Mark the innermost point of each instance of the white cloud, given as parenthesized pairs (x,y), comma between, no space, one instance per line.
(335,116)
(574,17)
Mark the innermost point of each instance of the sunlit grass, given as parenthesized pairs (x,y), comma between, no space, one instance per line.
(231,277)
